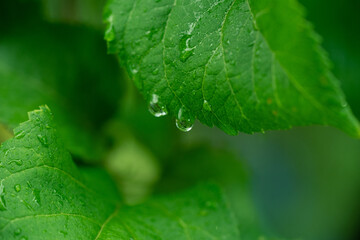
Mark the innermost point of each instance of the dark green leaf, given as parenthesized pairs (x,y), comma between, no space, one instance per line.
(240,65)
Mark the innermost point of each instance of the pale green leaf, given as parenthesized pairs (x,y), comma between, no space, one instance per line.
(241,65)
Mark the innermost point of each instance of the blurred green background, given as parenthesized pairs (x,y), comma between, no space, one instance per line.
(298,184)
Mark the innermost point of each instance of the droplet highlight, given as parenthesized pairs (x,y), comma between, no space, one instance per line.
(185,50)
(43,140)
(2,197)
(20,135)
(156,108)
(184,121)
(206,106)
(17,188)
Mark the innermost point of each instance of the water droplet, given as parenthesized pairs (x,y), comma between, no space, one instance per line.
(156,71)
(134,71)
(185,50)
(23,238)
(17,188)
(20,135)
(26,204)
(207,106)
(17,231)
(184,121)
(18,162)
(344,104)
(2,197)
(43,140)
(110,31)
(156,108)
(63,233)
(36,199)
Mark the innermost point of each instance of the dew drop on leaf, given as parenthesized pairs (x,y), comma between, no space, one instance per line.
(20,135)
(156,71)
(36,198)
(43,140)
(17,187)
(156,108)
(185,50)
(110,32)
(184,121)
(206,106)
(18,162)
(2,197)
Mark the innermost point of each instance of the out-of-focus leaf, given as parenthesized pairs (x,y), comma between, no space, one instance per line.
(87,12)
(134,168)
(208,164)
(341,38)
(66,68)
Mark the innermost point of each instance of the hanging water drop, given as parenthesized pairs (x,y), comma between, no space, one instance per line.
(156,108)
(184,121)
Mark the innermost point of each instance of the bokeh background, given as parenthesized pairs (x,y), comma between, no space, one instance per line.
(302,183)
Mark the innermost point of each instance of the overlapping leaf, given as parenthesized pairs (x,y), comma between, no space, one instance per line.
(44,196)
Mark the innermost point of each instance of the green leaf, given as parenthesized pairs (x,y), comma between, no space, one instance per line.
(44,196)
(203,163)
(65,67)
(241,65)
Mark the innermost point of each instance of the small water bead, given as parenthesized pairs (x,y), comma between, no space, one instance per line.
(20,135)
(17,188)
(43,140)
(206,106)
(18,162)
(156,108)
(2,197)
(184,121)
(185,50)
(156,71)
(110,31)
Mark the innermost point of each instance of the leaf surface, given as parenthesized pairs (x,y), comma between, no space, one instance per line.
(241,65)
(43,195)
